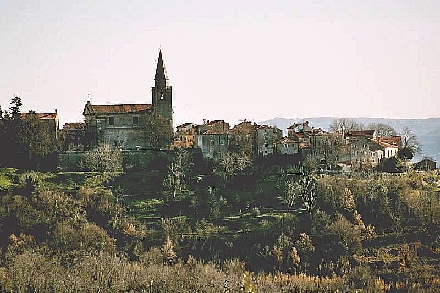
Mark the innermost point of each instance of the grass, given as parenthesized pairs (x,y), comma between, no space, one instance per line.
(6,178)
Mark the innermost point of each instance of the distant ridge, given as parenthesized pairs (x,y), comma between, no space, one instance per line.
(427,130)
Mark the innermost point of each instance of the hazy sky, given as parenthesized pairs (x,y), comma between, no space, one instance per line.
(226,59)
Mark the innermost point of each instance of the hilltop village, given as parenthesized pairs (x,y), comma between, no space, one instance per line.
(119,126)
(123,202)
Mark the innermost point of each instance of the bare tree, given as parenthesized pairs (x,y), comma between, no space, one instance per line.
(382,129)
(343,125)
(179,170)
(410,141)
(103,159)
(231,163)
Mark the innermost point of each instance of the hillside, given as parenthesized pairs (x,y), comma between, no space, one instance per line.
(427,130)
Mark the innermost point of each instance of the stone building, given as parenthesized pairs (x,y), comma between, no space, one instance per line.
(244,138)
(266,139)
(367,150)
(185,136)
(287,146)
(213,138)
(119,125)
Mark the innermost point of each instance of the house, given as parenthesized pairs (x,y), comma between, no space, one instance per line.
(299,128)
(73,136)
(389,150)
(361,148)
(368,150)
(287,146)
(213,138)
(185,136)
(243,137)
(218,126)
(266,139)
(426,164)
(119,125)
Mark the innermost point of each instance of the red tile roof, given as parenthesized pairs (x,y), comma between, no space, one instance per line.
(366,133)
(116,109)
(396,140)
(42,116)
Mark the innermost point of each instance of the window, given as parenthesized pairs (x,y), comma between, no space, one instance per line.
(135,120)
(111,120)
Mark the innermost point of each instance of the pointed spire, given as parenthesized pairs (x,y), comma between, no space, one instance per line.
(161,77)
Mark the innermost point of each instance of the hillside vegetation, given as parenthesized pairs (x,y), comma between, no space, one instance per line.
(256,229)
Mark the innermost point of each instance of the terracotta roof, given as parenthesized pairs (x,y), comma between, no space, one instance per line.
(396,140)
(74,126)
(42,116)
(116,109)
(367,133)
(386,145)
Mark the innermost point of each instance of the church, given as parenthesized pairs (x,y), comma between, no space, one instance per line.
(119,125)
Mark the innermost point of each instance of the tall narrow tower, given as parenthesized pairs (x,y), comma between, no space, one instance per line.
(162,92)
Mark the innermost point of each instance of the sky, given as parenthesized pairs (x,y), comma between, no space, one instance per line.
(226,59)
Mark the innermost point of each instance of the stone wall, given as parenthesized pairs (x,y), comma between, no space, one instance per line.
(132,160)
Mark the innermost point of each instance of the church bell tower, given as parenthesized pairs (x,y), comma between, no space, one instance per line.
(162,92)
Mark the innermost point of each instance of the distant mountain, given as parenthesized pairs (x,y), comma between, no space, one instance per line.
(427,130)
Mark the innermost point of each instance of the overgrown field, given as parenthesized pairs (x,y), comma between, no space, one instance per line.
(260,230)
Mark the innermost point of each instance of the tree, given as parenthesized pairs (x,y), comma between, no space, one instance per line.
(103,159)
(343,125)
(231,163)
(300,194)
(35,137)
(382,129)
(29,140)
(16,104)
(179,169)
(158,130)
(409,143)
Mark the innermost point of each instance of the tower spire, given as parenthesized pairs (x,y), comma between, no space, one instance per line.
(161,77)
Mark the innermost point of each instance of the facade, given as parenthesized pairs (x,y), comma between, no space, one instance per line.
(185,136)
(116,125)
(266,139)
(286,146)
(362,154)
(244,137)
(213,138)
(120,125)
(368,150)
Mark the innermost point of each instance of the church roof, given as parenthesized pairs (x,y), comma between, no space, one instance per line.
(115,109)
